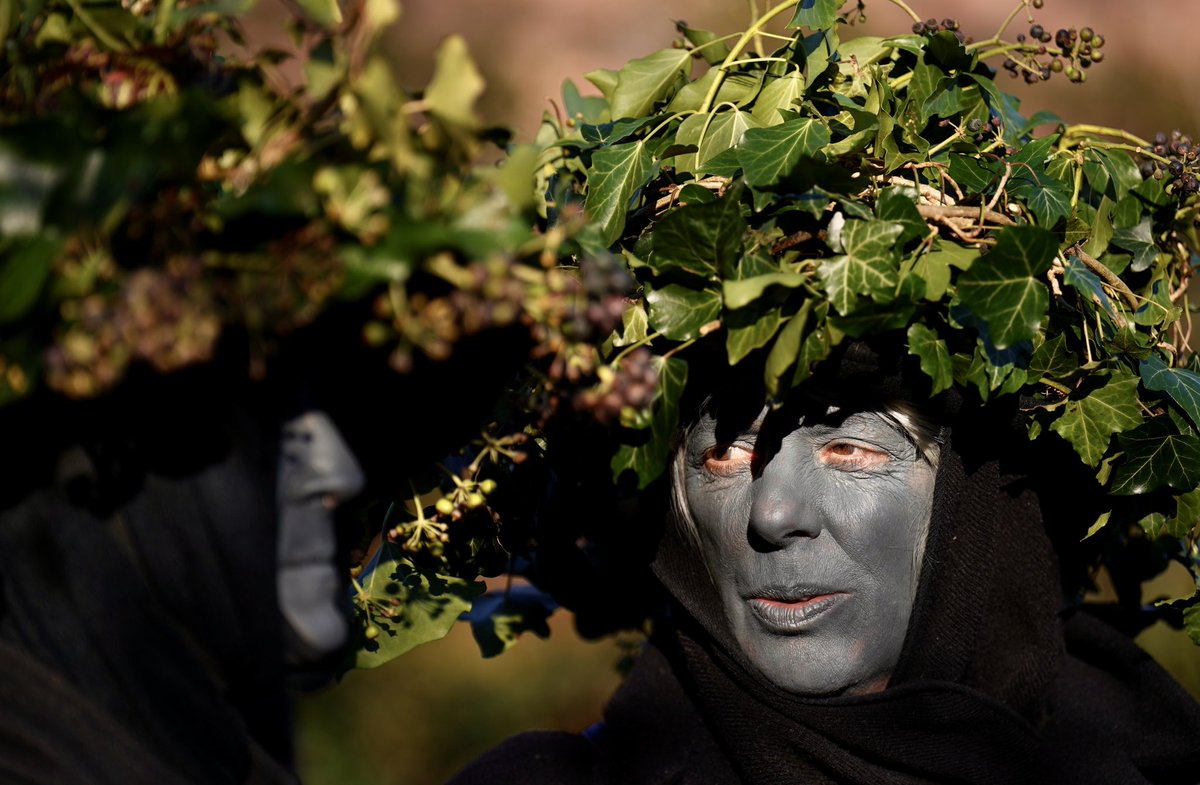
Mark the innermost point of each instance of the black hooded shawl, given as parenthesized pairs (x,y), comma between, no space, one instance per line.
(994,685)
(140,640)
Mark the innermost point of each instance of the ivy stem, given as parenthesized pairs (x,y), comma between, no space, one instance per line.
(736,50)
(649,339)
(753,4)
(749,60)
(1008,20)
(98,30)
(957,136)
(1100,130)
(903,6)
(1107,275)
(162,20)
(668,355)
(1078,185)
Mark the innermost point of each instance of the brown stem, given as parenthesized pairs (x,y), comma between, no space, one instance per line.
(1109,277)
(938,211)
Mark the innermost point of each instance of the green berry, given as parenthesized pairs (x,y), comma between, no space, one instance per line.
(487,486)
(1087,34)
(475,500)
(371,633)
(444,505)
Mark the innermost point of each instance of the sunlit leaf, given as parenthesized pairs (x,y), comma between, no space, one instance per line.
(616,175)
(924,343)
(867,267)
(456,85)
(816,14)
(1003,288)
(1088,423)
(1157,455)
(766,154)
(1182,385)
(679,312)
(643,82)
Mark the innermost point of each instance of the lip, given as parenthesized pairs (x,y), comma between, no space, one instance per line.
(790,615)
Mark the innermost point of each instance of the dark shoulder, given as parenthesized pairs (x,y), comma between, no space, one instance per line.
(534,758)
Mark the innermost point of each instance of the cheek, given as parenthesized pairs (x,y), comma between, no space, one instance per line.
(890,519)
(720,511)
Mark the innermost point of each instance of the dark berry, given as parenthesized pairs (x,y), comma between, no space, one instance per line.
(1175,168)
(918,27)
(1020,38)
(1036,31)
(974,125)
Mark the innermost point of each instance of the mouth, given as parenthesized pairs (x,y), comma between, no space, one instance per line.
(792,614)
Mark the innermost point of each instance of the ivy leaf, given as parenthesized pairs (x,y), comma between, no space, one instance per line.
(934,267)
(1049,201)
(972,174)
(24,271)
(749,329)
(429,605)
(1079,277)
(867,267)
(616,175)
(455,86)
(679,312)
(1182,385)
(1053,359)
(786,349)
(643,82)
(498,618)
(634,326)
(700,239)
(899,204)
(1089,422)
(739,294)
(1002,288)
(1138,240)
(766,154)
(648,459)
(923,342)
(815,14)
(1156,455)
(779,95)
(712,134)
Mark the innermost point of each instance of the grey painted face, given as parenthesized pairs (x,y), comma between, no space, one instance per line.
(316,471)
(812,528)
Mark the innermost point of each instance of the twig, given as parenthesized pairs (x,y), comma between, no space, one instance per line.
(937,212)
(1108,275)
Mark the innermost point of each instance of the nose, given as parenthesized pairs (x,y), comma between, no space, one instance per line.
(786,501)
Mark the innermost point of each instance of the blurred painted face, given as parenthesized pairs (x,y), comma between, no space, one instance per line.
(812,527)
(316,471)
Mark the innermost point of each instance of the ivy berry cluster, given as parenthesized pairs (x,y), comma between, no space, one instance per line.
(1040,55)
(1177,156)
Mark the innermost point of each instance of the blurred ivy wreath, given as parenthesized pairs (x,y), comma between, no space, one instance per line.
(759,196)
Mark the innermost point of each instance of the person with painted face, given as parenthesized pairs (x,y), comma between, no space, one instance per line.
(166,581)
(861,589)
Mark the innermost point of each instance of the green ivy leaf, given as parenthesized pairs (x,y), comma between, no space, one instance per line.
(815,14)
(429,605)
(1053,359)
(1157,455)
(974,175)
(1186,521)
(455,86)
(933,268)
(749,329)
(785,351)
(740,293)
(1079,277)
(767,154)
(616,175)
(1049,201)
(899,204)
(924,343)
(701,239)
(1182,385)
(867,267)
(634,326)
(1101,230)
(1003,288)
(643,82)
(712,134)
(1090,422)
(648,459)
(24,271)
(781,94)
(679,312)
(1138,240)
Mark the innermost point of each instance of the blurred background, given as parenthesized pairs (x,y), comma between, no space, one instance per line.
(418,719)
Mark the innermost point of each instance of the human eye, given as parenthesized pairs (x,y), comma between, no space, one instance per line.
(851,456)
(726,460)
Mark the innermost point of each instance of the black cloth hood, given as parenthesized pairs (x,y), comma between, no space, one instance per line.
(984,682)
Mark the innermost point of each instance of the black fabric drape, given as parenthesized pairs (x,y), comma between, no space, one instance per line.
(139,636)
